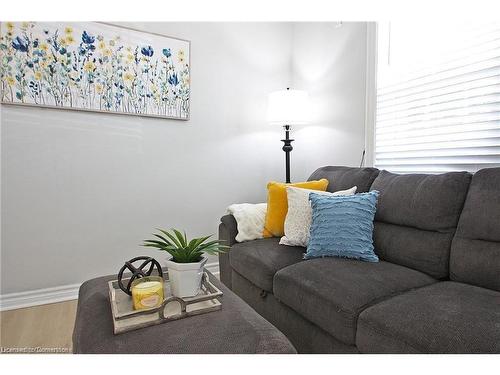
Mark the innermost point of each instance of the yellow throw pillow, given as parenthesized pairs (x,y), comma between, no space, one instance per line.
(277,204)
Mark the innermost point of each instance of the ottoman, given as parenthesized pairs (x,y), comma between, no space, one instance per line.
(237,328)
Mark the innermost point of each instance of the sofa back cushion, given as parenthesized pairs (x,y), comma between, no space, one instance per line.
(343,178)
(416,218)
(475,251)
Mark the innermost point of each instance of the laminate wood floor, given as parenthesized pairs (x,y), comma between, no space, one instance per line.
(45,326)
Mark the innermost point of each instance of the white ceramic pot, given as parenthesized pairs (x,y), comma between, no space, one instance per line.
(185,278)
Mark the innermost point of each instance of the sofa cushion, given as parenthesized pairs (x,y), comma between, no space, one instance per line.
(342,178)
(277,204)
(445,317)
(343,226)
(331,292)
(475,251)
(259,260)
(299,216)
(416,218)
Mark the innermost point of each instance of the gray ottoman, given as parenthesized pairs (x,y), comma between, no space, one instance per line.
(237,328)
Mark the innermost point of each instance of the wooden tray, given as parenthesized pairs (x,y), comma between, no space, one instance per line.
(125,318)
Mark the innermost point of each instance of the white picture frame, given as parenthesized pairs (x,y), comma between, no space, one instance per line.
(97,67)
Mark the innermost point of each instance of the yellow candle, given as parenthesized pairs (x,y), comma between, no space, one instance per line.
(147,292)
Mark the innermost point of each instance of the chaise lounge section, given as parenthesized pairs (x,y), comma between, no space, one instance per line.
(436,288)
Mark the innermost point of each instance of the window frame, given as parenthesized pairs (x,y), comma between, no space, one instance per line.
(371,92)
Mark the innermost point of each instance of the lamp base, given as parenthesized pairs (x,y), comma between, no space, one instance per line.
(287,147)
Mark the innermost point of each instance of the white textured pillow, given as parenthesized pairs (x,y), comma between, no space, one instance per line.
(299,216)
(249,219)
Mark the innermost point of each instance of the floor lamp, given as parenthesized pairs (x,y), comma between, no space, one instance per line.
(287,108)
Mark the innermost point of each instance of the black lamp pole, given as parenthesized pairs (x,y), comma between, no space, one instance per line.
(287,147)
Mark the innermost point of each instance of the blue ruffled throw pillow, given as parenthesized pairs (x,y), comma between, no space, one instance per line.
(342,226)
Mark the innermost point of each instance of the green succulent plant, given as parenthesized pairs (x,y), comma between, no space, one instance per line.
(183,250)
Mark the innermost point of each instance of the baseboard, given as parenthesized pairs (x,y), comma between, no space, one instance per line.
(213,268)
(38,297)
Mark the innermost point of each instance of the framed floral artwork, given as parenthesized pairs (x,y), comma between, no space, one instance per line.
(94,67)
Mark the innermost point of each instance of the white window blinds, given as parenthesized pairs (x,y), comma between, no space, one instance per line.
(438,97)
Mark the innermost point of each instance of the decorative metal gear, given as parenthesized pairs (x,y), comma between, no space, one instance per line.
(138,272)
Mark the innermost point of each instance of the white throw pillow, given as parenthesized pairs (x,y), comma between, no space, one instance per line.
(299,216)
(249,219)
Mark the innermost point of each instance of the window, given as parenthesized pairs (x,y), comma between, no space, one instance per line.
(438,97)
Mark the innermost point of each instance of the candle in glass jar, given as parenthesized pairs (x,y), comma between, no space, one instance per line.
(147,292)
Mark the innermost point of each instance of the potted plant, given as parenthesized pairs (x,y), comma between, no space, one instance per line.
(186,261)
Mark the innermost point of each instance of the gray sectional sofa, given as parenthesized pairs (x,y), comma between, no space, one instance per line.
(436,288)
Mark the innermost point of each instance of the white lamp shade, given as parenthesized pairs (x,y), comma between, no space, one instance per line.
(288,107)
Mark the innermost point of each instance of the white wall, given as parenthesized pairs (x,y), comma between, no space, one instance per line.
(330,63)
(81,190)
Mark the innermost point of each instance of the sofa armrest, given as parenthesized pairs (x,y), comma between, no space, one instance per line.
(228,230)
